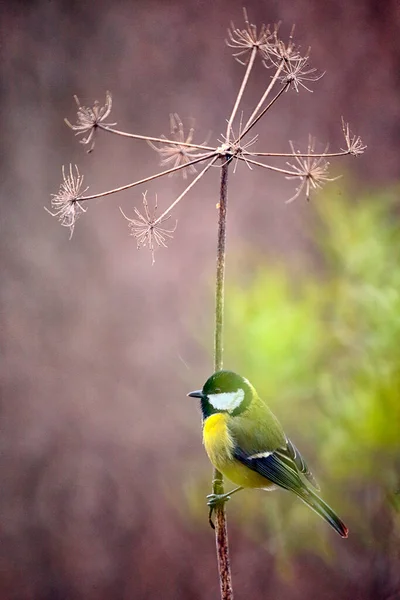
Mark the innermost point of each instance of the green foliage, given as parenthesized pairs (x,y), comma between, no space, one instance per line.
(325,352)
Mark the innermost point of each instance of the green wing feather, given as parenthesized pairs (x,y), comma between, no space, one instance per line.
(262,446)
(301,464)
(281,468)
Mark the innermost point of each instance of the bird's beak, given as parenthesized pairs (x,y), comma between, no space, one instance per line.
(196,394)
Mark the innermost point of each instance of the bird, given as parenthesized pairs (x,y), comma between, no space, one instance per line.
(246,443)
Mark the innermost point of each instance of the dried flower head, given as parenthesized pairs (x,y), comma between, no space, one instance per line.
(312,171)
(277,51)
(88,119)
(247,39)
(354,143)
(236,149)
(179,153)
(65,203)
(296,72)
(146,228)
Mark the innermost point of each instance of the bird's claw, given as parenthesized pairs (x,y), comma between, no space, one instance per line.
(215,499)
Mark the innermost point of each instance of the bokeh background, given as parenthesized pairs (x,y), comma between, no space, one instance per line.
(103,476)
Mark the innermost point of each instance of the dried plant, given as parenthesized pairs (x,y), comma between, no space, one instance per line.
(65,203)
(281,51)
(312,170)
(296,72)
(354,145)
(89,118)
(244,40)
(146,228)
(179,153)
(290,71)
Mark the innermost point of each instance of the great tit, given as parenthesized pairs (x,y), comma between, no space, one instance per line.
(246,443)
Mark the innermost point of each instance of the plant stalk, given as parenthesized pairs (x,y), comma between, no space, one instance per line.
(263,98)
(150,178)
(221,530)
(240,93)
(148,138)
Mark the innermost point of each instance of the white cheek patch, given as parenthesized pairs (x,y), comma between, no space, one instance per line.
(226,400)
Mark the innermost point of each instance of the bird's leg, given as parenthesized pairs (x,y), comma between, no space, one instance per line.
(215,499)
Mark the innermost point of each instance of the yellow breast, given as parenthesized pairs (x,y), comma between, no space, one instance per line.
(220,446)
(217,440)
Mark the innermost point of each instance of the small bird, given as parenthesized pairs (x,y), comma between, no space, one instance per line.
(246,443)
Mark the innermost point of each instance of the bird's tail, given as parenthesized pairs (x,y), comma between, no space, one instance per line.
(322,509)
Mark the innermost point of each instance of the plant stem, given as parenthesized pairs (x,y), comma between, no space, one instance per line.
(221,530)
(246,159)
(240,93)
(263,98)
(148,138)
(146,179)
(262,113)
(185,191)
(299,154)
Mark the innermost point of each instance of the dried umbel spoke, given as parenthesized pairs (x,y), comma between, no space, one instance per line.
(178,154)
(312,171)
(296,72)
(146,229)
(88,119)
(65,203)
(244,40)
(354,143)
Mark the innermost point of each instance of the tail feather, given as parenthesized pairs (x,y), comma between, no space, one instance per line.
(323,510)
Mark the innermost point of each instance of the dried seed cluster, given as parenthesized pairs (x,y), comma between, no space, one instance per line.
(290,70)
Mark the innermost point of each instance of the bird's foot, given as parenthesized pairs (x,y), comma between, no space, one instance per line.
(215,500)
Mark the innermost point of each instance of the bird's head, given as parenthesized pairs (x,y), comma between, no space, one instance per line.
(224,392)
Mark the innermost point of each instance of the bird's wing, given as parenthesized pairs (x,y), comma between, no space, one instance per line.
(301,464)
(281,466)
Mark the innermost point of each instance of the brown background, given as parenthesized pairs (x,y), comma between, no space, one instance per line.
(98,347)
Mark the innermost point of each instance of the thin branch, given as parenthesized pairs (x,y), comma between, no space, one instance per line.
(179,198)
(246,159)
(148,138)
(291,155)
(146,179)
(262,113)
(221,531)
(241,90)
(220,274)
(264,97)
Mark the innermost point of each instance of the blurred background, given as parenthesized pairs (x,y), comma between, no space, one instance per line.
(103,473)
